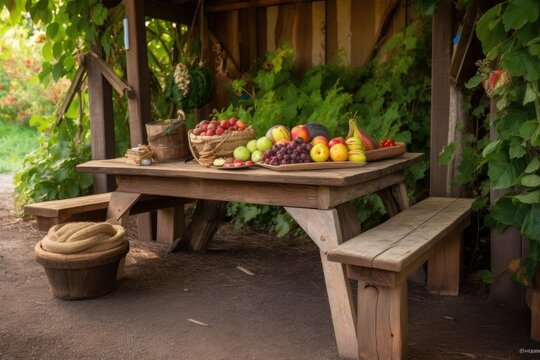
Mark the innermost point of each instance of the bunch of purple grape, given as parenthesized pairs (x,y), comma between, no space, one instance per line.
(295,152)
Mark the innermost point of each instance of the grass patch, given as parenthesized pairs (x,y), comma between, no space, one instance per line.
(15,142)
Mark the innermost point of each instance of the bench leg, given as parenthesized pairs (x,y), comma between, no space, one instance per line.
(170,224)
(445,267)
(382,322)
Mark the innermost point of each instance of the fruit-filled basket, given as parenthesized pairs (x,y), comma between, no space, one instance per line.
(205,148)
(388,152)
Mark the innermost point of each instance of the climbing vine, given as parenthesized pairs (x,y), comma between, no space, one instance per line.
(510,36)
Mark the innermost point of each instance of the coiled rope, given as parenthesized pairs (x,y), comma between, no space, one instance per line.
(83,237)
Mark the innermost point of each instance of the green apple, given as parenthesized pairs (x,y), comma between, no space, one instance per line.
(252,145)
(264,144)
(242,153)
(256,156)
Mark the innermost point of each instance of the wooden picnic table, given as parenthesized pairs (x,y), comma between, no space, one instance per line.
(319,201)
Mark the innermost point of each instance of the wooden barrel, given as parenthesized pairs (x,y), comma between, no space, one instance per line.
(168,140)
(81,276)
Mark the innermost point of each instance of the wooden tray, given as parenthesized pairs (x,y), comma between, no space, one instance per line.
(386,152)
(314,166)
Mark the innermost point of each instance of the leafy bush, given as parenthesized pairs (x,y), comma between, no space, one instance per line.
(390,99)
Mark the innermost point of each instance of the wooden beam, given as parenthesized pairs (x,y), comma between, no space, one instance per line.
(101,124)
(440,95)
(138,76)
(72,91)
(247,4)
(118,84)
(169,11)
(137,72)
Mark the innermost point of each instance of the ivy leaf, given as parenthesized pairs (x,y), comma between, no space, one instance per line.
(52,30)
(447,153)
(474,81)
(490,29)
(527,129)
(506,212)
(532,197)
(516,150)
(531,224)
(530,95)
(503,172)
(492,146)
(531,180)
(485,276)
(518,13)
(521,63)
(533,166)
(535,49)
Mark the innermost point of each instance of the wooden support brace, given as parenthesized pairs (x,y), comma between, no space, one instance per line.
(120,203)
(382,322)
(170,224)
(445,267)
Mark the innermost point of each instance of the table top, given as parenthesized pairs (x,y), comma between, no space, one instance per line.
(330,177)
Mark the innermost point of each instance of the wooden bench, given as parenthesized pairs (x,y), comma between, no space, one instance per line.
(382,259)
(94,207)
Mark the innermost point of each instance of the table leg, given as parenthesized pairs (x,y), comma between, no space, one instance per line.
(326,230)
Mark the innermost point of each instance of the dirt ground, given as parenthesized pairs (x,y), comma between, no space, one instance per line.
(279,313)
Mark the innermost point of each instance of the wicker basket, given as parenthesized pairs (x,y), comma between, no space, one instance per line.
(207,148)
(386,152)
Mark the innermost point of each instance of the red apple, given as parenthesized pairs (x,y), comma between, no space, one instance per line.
(196,131)
(232,121)
(220,131)
(224,124)
(319,140)
(210,132)
(334,141)
(300,131)
(204,122)
(204,127)
(212,127)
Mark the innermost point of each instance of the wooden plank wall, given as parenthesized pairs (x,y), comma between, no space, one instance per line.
(320,31)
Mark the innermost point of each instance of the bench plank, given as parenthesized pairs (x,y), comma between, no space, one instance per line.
(66,207)
(413,231)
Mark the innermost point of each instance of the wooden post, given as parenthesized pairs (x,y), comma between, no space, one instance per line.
(382,322)
(101,124)
(440,95)
(138,75)
(170,224)
(505,247)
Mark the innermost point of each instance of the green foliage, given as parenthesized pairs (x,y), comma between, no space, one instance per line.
(48,172)
(62,32)
(390,98)
(509,36)
(15,142)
